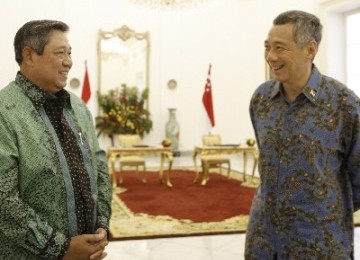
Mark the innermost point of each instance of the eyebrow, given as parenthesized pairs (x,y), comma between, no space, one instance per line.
(64,47)
(275,42)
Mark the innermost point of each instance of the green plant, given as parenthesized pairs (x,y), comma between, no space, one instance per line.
(123,111)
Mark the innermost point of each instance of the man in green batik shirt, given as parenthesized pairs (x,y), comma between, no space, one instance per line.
(55,192)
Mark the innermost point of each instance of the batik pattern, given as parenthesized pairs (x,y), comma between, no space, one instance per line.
(309,168)
(34,220)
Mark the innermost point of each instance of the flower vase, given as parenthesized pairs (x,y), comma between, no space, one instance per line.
(172,131)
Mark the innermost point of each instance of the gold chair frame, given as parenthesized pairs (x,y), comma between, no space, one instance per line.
(215,160)
(127,141)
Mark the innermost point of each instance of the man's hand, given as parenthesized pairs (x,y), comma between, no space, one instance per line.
(103,241)
(88,246)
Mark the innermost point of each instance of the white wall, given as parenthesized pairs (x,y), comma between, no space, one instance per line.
(331,56)
(229,34)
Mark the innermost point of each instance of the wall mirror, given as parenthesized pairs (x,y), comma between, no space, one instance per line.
(123,59)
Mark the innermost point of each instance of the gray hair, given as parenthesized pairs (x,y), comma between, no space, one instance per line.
(35,34)
(307,27)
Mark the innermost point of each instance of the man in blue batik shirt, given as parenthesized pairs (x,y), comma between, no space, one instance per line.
(307,129)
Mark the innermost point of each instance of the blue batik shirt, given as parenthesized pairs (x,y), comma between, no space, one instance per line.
(309,168)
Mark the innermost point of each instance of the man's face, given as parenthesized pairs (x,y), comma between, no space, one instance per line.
(50,70)
(289,63)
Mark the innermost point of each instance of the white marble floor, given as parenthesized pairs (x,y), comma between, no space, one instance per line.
(217,247)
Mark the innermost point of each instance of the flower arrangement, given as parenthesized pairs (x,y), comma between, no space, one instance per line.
(123,112)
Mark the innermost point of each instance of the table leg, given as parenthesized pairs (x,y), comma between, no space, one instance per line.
(116,189)
(167,178)
(168,182)
(245,166)
(205,174)
(195,167)
(162,156)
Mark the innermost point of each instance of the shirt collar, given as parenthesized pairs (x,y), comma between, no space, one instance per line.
(311,91)
(275,89)
(37,95)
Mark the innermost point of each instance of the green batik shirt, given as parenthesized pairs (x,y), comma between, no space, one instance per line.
(309,167)
(39,198)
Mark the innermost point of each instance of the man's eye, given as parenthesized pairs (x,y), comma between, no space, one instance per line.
(60,52)
(63,53)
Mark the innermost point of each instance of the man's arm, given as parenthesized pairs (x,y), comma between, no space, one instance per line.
(353,159)
(18,221)
(104,187)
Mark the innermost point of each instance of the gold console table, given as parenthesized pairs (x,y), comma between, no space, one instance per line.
(225,149)
(114,152)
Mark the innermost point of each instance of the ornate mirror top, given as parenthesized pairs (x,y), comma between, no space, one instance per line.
(123,59)
(124,33)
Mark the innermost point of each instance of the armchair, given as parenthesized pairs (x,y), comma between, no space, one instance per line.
(214,160)
(128,141)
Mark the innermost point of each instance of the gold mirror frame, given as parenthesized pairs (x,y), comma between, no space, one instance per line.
(126,36)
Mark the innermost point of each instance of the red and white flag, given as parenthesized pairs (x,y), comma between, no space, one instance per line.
(207,99)
(86,90)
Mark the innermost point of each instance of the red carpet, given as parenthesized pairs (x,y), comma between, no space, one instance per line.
(220,199)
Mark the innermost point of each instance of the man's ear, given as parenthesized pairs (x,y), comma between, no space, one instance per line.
(27,54)
(312,48)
